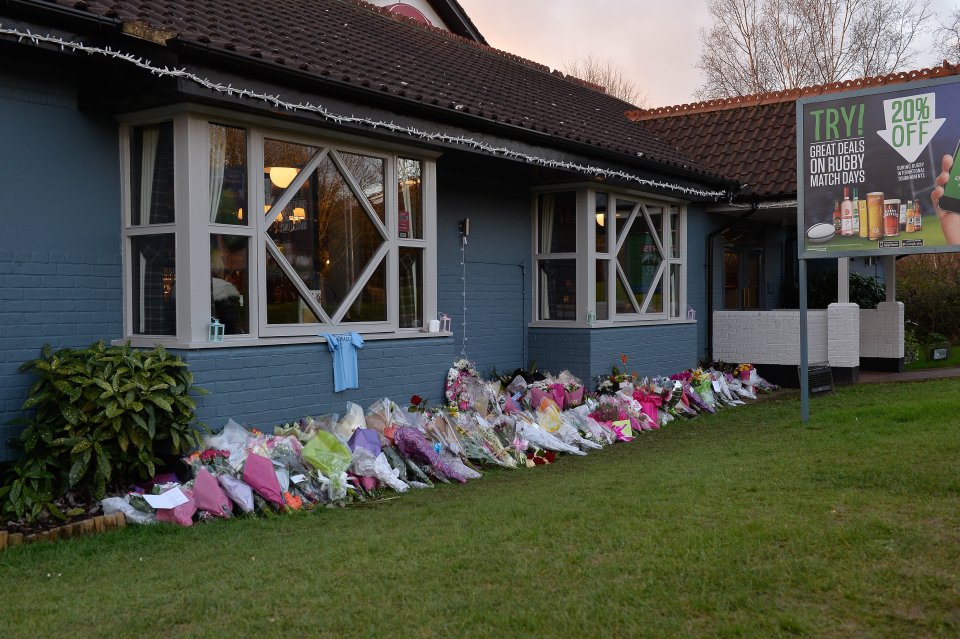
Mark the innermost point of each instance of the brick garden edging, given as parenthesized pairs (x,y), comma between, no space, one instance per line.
(85,528)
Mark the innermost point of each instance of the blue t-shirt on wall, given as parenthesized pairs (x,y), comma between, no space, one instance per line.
(344,348)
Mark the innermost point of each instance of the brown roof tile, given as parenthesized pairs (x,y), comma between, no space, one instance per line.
(752,139)
(361,45)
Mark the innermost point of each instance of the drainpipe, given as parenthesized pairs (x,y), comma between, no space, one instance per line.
(713,234)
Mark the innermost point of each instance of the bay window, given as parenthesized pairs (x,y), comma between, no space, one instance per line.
(605,258)
(274,234)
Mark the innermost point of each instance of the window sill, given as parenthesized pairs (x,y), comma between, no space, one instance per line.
(251,342)
(603,325)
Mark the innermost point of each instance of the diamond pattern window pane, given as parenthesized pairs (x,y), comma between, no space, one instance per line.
(285,305)
(368,172)
(327,236)
(282,162)
(624,303)
(371,304)
(640,258)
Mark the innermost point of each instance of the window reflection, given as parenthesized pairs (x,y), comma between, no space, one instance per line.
(411,287)
(154,284)
(558,289)
(557,222)
(228,175)
(229,282)
(409,195)
(151,174)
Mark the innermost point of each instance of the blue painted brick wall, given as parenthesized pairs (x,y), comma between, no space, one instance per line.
(60,273)
(555,349)
(662,349)
(495,196)
(266,386)
(651,350)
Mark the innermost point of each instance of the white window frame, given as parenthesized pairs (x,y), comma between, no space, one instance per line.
(193,230)
(587,256)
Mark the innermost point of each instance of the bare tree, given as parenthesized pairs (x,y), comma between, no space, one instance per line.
(606,74)
(947,37)
(756,46)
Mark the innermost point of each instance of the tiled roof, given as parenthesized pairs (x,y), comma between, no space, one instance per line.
(359,45)
(752,139)
(754,145)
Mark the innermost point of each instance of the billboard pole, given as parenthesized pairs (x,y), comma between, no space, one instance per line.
(804,345)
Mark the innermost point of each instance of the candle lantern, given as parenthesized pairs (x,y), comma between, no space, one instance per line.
(444,322)
(215,330)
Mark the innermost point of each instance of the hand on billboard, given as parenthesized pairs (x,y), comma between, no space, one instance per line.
(949,222)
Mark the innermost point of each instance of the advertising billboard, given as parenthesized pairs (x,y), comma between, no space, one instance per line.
(876,171)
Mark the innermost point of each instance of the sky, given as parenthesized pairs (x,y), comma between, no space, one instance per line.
(655,42)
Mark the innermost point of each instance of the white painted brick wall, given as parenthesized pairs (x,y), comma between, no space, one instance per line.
(843,335)
(840,335)
(768,337)
(881,331)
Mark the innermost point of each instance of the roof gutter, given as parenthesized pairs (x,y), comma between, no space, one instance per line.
(65,14)
(276,71)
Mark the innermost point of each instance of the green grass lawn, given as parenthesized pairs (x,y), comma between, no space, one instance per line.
(743,524)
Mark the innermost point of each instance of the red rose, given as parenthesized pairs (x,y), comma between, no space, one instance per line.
(416,400)
(550,456)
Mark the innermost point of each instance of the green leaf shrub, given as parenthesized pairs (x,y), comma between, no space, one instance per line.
(929,287)
(99,415)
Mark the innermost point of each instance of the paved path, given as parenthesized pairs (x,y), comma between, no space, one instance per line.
(871,377)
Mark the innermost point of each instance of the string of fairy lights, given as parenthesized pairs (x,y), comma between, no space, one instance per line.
(463,284)
(428,136)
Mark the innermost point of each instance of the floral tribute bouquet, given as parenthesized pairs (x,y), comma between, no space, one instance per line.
(462,388)
(536,437)
(589,428)
(616,380)
(607,411)
(411,443)
(650,397)
(690,378)
(565,390)
(481,442)
(748,376)
(722,392)
(702,383)
(548,389)
(676,404)
(540,457)
(739,388)
(214,460)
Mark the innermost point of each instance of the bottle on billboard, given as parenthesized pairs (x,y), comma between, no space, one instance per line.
(859,215)
(875,215)
(846,213)
(891,218)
